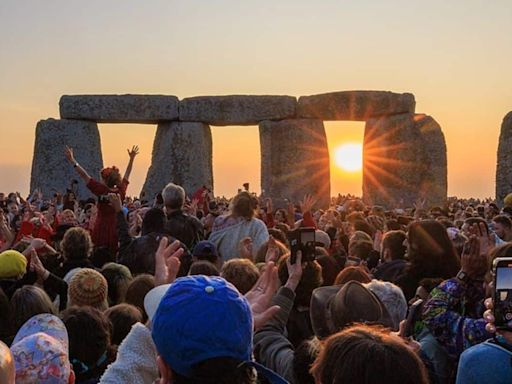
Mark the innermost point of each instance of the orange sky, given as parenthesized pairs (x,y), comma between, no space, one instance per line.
(454,56)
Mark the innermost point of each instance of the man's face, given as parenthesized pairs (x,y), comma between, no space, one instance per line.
(499,229)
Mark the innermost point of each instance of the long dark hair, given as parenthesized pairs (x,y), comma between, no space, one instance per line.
(430,251)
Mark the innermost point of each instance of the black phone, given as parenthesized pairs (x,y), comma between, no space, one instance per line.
(413,316)
(103,199)
(302,239)
(503,293)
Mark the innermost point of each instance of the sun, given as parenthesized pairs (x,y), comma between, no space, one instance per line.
(349,157)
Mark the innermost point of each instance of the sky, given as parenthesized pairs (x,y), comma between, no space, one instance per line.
(455,57)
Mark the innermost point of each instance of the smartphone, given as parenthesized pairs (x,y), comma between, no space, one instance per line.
(302,239)
(103,199)
(413,316)
(503,293)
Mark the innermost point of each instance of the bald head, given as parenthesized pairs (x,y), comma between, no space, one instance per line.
(7,371)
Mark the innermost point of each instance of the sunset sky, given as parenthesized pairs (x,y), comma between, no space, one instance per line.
(454,56)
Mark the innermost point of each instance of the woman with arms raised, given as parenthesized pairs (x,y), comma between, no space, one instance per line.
(104,232)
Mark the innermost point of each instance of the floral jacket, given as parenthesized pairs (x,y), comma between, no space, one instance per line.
(453,314)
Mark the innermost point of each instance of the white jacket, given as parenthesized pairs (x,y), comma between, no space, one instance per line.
(136,359)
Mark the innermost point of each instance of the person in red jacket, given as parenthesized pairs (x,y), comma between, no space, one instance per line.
(104,231)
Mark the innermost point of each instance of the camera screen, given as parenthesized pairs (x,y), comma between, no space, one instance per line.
(503,298)
(503,278)
(307,237)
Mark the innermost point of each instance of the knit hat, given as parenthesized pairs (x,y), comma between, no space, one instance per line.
(88,287)
(12,264)
(507,201)
(322,239)
(40,351)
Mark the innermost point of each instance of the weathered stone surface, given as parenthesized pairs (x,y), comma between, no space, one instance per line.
(237,109)
(434,185)
(393,161)
(355,105)
(504,166)
(182,154)
(120,108)
(50,170)
(295,160)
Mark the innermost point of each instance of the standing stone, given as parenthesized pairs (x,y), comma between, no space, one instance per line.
(355,105)
(51,172)
(182,154)
(504,167)
(434,186)
(295,161)
(393,161)
(237,109)
(120,108)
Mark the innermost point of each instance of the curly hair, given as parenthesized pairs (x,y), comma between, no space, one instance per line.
(111,176)
(76,244)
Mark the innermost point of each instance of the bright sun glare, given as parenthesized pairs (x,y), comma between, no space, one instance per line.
(349,157)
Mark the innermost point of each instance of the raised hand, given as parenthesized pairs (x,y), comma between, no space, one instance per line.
(420,203)
(37,266)
(272,250)
(307,203)
(260,296)
(486,239)
(270,208)
(246,248)
(294,272)
(133,152)
(377,240)
(473,262)
(69,154)
(115,201)
(167,261)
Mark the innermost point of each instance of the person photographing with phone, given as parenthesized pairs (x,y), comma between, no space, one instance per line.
(454,311)
(491,361)
(104,232)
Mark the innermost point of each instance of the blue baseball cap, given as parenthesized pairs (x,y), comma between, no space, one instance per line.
(200,318)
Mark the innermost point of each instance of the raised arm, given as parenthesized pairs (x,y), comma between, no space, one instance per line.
(82,172)
(132,153)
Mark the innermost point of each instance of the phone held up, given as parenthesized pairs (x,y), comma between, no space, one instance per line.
(413,315)
(302,239)
(503,292)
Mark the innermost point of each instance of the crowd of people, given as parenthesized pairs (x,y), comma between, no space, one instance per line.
(187,287)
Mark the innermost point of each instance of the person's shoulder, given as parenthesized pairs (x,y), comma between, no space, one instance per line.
(487,350)
(258,222)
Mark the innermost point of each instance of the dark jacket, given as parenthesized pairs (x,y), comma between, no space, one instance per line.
(188,229)
(390,271)
(53,285)
(138,253)
(271,347)
(70,264)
